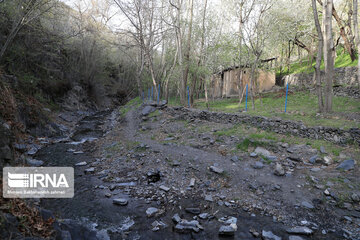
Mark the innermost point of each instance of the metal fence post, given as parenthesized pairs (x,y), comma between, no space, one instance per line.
(287,89)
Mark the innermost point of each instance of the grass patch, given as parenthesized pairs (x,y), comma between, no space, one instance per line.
(343,59)
(136,102)
(116,147)
(233,131)
(249,142)
(156,113)
(131,144)
(260,138)
(302,106)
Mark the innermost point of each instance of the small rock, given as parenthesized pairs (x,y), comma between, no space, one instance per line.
(209,198)
(227,231)
(295,157)
(120,201)
(295,238)
(234,158)
(204,215)
(186,226)
(315,169)
(147,110)
(33,162)
(230,226)
(176,163)
(157,225)
(254,233)
(81,164)
(300,230)
(279,170)
(89,170)
(328,160)
(269,236)
(307,205)
(284,145)
(151,211)
(228,220)
(253,154)
(262,151)
(326,192)
(216,170)
(192,182)
(195,211)
(79,152)
(313,159)
(346,165)
(164,188)
(108,195)
(322,150)
(347,218)
(258,165)
(20,147)
(32,151)
(355,197)
(176,218)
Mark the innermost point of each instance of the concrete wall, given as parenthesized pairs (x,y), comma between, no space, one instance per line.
(226,85)
(343,76)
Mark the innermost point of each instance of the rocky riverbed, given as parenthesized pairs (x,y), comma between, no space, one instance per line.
(146,174)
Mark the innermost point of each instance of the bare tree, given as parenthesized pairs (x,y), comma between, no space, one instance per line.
(146,32)
(328,54)
(344,35)
(28,11)
(201,55)
(357,36)
(243,15)
(187,55)
(317,74)
(257,33)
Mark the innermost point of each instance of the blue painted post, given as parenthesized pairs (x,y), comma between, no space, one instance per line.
(152,91)
(188,92)
(149,93)
(158,99)
(246,97)
(287,89)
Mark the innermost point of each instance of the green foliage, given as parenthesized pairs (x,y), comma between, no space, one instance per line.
(343,59)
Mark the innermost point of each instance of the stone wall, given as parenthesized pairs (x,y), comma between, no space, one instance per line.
(277,125)
(343,76)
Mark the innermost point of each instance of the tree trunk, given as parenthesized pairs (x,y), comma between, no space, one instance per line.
(357,36)
(328,54)
(206,95)
(193,86)
(169,75)
(187,57)
(253,68)
(318,58)
(348,46)
(240,75)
